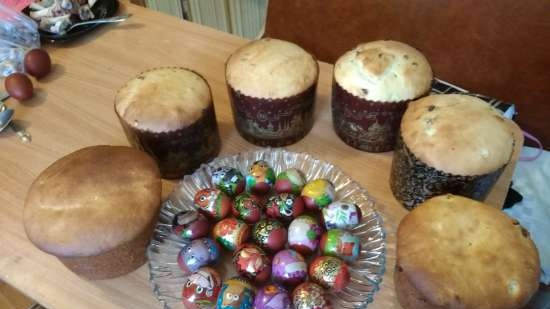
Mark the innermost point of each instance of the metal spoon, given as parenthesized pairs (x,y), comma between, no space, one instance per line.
(108,20)
(6,116)
(6,120)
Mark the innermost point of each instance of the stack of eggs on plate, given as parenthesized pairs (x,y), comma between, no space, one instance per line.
(274,226)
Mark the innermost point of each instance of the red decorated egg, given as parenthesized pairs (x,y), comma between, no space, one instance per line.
(304,233)
(201,289)
(247,208)
(284,206)
(329,272)
(260,178)
(270,234)
(318,194)
(213,203)
(309,295)
(190,224)
(230,233)
(251,262)
(342,244)
(290,181)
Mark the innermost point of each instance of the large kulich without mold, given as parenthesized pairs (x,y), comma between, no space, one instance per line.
(457,253)
(449,144)
(371,88)
(168,112)
(95,210)
(272,87)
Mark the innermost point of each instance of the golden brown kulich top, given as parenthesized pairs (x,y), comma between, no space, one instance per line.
(92,201)
(457,134)
(460,253)
(271,68)
(163,99)
(384,71)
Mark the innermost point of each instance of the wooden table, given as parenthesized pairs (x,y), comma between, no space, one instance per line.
(73,108)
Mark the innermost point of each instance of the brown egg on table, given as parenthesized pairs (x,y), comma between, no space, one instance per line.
(329,272)
(19,86)
(37,63)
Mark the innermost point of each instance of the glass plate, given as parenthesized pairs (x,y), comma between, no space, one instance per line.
(366,273)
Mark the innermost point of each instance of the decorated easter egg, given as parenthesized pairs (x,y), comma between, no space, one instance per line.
(231,233)
(284,206)
(201,289)
(200,252)
(270,235)
(252,263)
(341,215)
(236,293)
(213,203)
(247,208)
(342,244)
(309,295)
(290,181)
(304,233)
(272,296)
(289,267)
(229,180)
(190,224)
(260,178)
(318,194)
(329,272)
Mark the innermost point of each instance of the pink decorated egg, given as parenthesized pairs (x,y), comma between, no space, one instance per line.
(289,267)
(272,296)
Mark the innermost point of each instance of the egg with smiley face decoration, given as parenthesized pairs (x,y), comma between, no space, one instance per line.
(213,203)
(201,289)
(236,293)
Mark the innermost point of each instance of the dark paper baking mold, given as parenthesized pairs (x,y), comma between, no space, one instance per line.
(370,126)
(412,181)
(273,122)
(181,151)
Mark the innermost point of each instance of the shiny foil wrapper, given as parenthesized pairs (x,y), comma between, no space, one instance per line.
(412,181)
(309,295)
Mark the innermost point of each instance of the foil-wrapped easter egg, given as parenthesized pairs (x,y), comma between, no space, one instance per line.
(284,206)
(329,272)
(290,181)
(289,267)
(252,263)
(304,233)
(342,244)
(200,252)
(272,296)
(318,194)
(270,235)
(236,293)
(190,224)
(231,233)
(247,208)
(309,295)
(260,178)
(201,289)
(341,215)
(213,203)
(229,180)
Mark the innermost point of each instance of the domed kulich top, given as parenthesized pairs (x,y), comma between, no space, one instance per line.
(457,134)
(92,201)
(384,71)
(272,69)
(163,99)
(461,253)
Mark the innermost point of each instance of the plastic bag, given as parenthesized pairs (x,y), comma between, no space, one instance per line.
(18,33)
